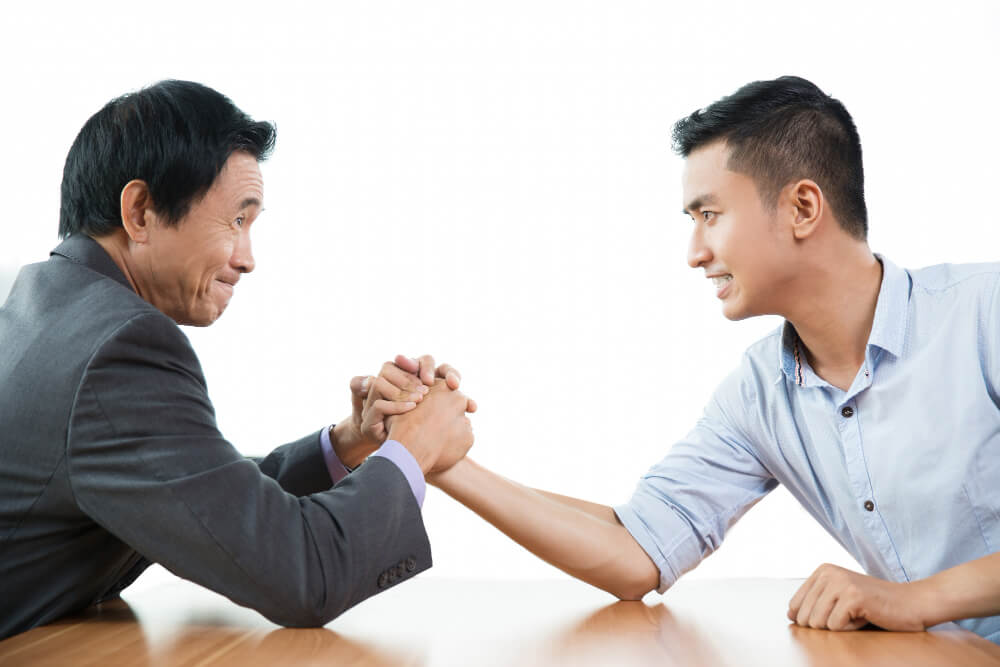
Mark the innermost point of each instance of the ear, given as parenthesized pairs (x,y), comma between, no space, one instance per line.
(806,203)
(137,210)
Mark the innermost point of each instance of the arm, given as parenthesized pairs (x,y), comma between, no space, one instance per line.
(969,590)
(309,465)
(147,463)
(837,599)
(583,539)
(678,515)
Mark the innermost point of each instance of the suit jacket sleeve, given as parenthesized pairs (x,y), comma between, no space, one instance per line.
(298,467)
(147,462)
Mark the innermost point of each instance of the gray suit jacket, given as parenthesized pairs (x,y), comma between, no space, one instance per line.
(110,459)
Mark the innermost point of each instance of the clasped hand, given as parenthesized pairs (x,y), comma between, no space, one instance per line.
(415,403)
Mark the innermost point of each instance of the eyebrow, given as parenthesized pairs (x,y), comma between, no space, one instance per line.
(248,202)
(700,201)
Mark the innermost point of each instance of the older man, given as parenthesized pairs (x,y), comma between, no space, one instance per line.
(110,457)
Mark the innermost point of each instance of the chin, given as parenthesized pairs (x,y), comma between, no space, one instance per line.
(734,313)
(202,319)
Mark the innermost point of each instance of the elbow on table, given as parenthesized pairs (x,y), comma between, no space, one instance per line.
(631,591)
(636,583)
(302,617)
(306,611)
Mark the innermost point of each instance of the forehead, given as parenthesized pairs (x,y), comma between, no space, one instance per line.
(239,181)
(707,175)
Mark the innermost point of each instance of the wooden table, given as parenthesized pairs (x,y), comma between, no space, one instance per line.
(432,622)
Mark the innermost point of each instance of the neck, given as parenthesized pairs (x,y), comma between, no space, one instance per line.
(834,312)
(116,244)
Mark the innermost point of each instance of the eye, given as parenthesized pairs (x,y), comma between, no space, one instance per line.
(238,221)
(707,216)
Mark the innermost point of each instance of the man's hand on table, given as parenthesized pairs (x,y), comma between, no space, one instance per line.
(837,599)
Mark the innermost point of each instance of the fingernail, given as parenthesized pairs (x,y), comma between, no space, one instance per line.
(365,383)
(417,396)
(423,389)
(410,404)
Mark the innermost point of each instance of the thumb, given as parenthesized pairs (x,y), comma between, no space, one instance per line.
(359,390)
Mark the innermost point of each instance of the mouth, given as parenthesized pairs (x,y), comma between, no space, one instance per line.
(721,283)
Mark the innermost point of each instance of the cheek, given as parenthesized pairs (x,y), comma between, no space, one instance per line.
(218,257)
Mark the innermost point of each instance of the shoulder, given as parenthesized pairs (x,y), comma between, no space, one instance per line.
(955,293)
(79,317)
(750,384)
(955,277)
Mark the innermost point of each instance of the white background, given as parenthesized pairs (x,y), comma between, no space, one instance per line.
(492,183)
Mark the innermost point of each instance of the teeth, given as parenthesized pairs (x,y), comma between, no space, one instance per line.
(721,281)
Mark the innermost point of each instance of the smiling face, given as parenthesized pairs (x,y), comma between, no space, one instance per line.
(189,270)
(741,245)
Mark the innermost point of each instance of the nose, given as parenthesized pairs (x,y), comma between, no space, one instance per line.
(242,259)
(698,252)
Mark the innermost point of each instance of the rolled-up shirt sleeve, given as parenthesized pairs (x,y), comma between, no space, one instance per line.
(684,504)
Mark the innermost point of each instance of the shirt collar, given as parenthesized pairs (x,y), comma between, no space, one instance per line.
(888,326)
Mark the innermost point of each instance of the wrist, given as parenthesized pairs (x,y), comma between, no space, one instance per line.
(348,444)
(931,600)
(424,459)
(448,478)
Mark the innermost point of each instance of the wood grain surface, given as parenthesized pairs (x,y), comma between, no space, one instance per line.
(434,622)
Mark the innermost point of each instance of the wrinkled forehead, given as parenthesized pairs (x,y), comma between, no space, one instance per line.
(240,183)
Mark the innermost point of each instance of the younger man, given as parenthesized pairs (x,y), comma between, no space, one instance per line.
(875,404)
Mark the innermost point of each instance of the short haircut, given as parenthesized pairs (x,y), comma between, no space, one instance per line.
(781,131)
(174,135)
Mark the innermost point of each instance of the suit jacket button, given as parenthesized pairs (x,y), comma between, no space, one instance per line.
(383,580)
(411,564)
(397,571)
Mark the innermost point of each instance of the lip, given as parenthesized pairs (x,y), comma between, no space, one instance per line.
(229,286)
(720,293)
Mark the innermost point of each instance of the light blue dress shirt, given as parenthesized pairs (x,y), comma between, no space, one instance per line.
(903,468)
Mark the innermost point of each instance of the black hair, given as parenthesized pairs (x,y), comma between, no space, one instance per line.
(783,130)
(174,135)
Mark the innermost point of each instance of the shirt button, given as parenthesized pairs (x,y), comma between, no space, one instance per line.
(870,506)
(848,411)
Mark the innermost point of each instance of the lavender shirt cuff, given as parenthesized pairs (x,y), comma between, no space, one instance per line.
(333,462)
(391,450)
(404,460)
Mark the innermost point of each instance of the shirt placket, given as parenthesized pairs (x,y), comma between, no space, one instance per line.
(848,420)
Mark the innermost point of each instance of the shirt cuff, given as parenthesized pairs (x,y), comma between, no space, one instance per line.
(408,465)
(333,462)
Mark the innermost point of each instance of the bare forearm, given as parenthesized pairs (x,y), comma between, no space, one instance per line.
(602,512)
(969,590)
(581,538)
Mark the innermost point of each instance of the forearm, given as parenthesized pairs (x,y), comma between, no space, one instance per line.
(298,466)
(969,590)
(583,539)
(602,512)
